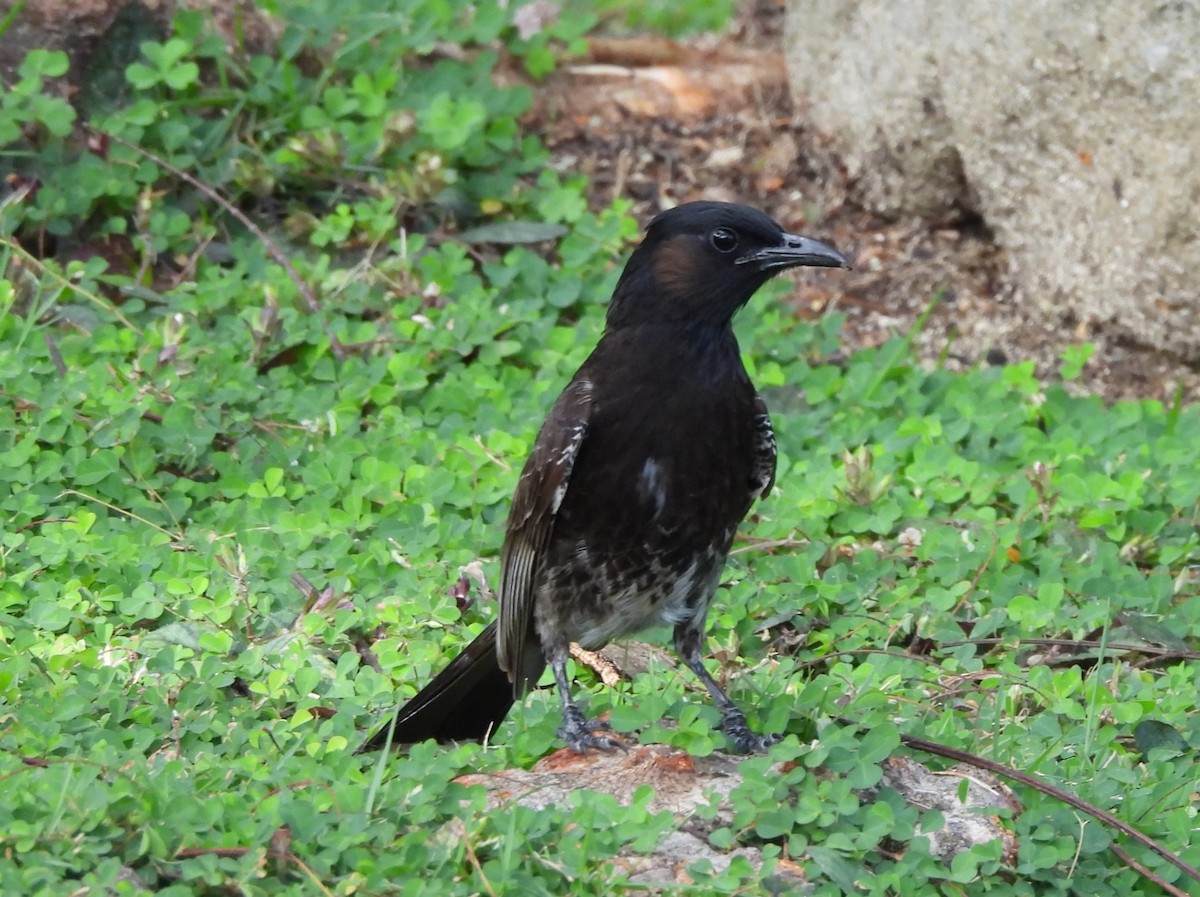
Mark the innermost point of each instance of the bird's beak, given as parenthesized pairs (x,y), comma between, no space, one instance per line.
(794,252)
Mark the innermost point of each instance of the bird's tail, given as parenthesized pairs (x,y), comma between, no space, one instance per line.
(464,702)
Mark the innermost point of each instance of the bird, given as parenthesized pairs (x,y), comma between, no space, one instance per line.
(625,511)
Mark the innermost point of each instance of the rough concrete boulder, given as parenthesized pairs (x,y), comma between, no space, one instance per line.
(698,792)
(1071,128)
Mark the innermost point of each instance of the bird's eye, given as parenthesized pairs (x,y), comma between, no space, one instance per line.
(723,240)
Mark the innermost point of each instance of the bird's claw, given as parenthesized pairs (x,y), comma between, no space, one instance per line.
(582,735)
(742,740)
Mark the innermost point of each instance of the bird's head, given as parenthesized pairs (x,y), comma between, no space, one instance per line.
(702,261)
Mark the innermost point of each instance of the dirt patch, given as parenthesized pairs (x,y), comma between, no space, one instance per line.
(660,122)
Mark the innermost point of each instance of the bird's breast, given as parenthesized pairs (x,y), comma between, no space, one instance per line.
(657,491)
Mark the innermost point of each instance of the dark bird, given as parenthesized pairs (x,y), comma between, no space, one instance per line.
(640,475)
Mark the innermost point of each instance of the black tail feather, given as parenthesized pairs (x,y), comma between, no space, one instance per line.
(464,702)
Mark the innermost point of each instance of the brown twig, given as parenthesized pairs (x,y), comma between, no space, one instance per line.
(306,293)
(1148,873)
(310,300)
(1155,650)
(987,562)
(960,756)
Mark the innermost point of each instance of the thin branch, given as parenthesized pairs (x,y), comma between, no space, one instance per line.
(306,293)
(1148,873)
(1155,650)
(65,283)
(942,750)
(174,537)
(310,300)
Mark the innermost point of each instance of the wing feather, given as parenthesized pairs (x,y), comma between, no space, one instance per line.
(765,453)
(539,494)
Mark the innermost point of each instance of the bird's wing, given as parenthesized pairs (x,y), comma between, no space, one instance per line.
(764,450)
(536,501)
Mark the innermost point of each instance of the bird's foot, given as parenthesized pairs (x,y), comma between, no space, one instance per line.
(741,739)
(582,735)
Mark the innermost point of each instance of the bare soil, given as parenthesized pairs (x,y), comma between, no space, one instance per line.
(660,122)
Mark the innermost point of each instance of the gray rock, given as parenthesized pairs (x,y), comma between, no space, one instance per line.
(1071,128)
(698,791)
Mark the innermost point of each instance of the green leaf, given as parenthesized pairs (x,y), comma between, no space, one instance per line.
(141,75)
(44,64)
(56,115)
(878,743)
(837,868)
(513,232)
(185,74)
(1152,733)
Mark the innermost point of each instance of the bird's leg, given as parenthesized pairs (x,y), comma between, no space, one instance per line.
(577,730)
(733,721)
